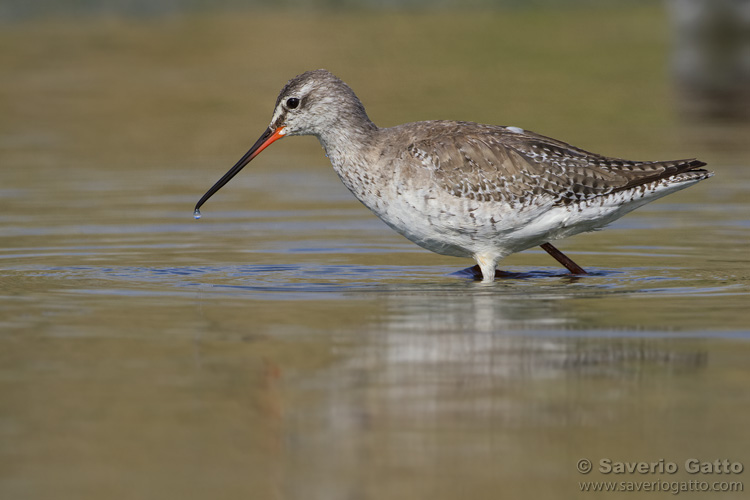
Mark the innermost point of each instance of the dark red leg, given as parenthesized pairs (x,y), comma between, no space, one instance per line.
(563,259)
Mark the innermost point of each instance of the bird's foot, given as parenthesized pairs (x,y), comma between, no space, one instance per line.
(476,273)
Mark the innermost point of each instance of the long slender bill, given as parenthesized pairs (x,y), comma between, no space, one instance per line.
(265,140)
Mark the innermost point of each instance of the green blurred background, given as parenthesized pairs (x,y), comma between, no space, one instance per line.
(133,83)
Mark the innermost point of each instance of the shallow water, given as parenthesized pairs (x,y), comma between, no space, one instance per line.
(289,345)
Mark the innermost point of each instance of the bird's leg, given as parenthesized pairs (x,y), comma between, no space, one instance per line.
(476,271)
(563,259)
(487,267)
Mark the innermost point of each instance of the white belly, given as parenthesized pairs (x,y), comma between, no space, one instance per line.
(451,225)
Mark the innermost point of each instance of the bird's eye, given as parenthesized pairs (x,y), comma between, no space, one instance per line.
(292,102)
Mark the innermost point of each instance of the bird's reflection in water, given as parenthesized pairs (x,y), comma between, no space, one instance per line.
(478,354)
(441,377)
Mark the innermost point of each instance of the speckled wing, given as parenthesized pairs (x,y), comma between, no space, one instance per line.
(506,164)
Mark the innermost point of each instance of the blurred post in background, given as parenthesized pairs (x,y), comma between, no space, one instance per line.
(711,58)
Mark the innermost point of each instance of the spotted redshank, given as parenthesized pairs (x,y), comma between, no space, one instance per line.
(462,188)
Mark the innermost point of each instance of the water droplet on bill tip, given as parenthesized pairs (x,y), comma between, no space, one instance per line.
(197,214)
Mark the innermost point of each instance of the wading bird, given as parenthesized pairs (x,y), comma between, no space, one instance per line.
(461,188)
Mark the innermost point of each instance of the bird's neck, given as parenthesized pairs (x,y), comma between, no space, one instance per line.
(348,143)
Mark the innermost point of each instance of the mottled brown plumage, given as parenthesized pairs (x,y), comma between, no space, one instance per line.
(505,164)
(462,188)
